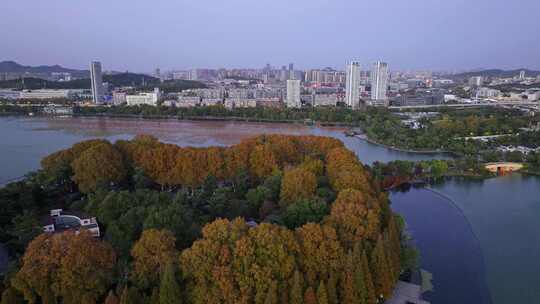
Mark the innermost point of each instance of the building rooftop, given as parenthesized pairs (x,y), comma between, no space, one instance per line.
(406,293)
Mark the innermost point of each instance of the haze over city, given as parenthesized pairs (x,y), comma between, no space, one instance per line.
(140,36)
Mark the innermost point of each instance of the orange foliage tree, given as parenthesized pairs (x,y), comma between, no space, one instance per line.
(101,164)
(297,184)
(77,268)
(151,254)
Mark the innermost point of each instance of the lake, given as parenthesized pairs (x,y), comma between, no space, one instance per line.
(478,239)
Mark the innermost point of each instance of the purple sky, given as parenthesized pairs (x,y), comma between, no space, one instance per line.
(141,35)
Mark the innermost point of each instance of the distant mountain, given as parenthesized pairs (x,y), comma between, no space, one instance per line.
(497,73)
(115,80)
(14,67)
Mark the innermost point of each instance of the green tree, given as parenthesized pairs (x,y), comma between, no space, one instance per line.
(169,289)
(305,211)
(10,296)
(322,297)
(130,295)
(331,288)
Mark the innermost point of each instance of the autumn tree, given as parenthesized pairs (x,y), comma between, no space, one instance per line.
(112,298)
(322,297)
(10,296)
(262,161)
(297,184)
(309,296)
(208,263)
(75,267)
(320,252)
(353,217)
(159,163)
(151,254)
(169,289)
(130,295)
(345,171)
(266,253)
(315,166)
(272,294)
(297,287)
(381,272)
(99,165)
(331,286)
(348,292)
(370,294)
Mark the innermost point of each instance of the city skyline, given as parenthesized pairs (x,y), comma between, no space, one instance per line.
(212,34)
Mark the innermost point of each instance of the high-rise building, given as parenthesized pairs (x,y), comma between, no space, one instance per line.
(284,74)
(352,84)
(291,71)
(379,81)
(293,93)
(522,75)
(96,80)
(476,81)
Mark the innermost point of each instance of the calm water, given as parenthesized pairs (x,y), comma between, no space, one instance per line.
(478,239)
(26,140)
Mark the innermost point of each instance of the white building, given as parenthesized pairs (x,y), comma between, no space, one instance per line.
(144,98)
(379,81)
(352,83)
(450,97)
(119,98)
(96,80)
(487,93)
(46,94)
(476,81)
(293,93)
(211,102)
(9,94)
(325,100)
(58,221)
(188,101)
(240,103)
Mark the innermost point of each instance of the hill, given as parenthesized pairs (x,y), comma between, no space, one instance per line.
(14,67)
(115,80)
(497,73)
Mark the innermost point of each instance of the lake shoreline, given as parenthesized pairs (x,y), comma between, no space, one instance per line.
(192,118)
(427,152)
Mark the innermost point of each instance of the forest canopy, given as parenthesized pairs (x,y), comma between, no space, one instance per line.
(273,219)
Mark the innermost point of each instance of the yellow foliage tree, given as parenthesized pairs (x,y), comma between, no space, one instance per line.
(99,165)
(151,254)
(297,184)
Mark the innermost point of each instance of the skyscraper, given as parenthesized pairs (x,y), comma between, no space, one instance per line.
(379,80)
(96,80)
(291,71)
(352,84)
(522,75)
(293,93)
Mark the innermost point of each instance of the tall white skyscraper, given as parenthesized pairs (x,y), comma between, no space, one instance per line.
(379,80)
(352,84)
(522,75)
(293,93)
(96,80)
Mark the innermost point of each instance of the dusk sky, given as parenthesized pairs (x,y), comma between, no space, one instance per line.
(176,34)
